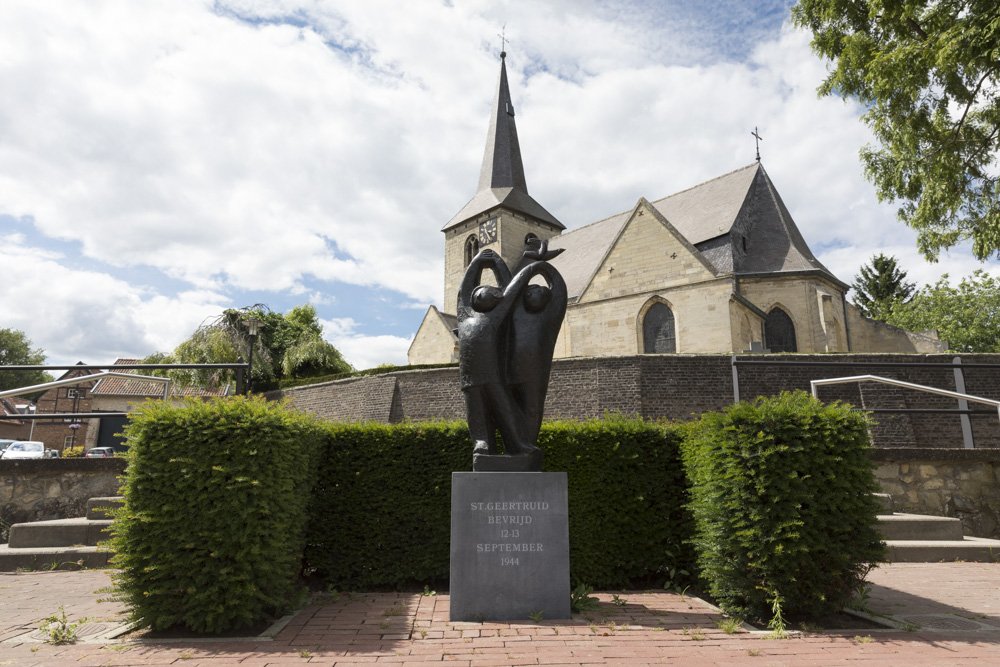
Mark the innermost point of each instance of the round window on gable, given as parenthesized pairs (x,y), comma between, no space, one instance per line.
(471,249)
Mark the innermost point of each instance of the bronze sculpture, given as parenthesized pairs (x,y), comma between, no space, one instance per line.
(506,337)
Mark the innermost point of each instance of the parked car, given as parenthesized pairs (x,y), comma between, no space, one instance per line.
(24,449)
(99,453)
(3,444)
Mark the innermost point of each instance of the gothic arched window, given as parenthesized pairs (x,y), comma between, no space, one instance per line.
(658,334)
(779,331)
(471,249)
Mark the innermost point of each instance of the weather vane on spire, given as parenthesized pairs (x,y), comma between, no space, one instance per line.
(757,140)
(503,40)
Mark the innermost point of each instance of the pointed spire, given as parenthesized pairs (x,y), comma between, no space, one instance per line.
(502,167)
(501,180)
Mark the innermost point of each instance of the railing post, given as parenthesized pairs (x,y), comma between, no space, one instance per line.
(239,377)
(963,404)
(736,381)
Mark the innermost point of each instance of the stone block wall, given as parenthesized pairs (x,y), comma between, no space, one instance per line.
(44,489)
(964,484)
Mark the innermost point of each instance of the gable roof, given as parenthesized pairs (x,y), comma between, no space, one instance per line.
(705,216)
(501,179)
(120,386)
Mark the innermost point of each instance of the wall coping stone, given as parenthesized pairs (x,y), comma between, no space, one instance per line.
(935,454)
(75,464)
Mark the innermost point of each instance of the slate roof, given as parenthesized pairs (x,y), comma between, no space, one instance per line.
(501,179)
(713,216)
(119,386)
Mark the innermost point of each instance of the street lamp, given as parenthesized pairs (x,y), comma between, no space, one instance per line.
(254,325)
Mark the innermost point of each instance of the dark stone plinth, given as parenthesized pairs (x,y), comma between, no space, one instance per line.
(509,546)
(500,463)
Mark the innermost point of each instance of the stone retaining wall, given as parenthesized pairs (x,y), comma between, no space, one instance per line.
(44,489)
(675,386)
(960,483)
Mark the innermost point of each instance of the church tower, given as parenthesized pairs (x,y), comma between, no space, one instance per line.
(502,214)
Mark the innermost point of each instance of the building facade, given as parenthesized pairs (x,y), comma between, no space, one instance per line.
(717,268)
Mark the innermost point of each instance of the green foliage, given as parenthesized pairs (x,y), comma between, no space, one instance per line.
(296,335)
(880,289)
(58,630)
(212,529)
(311,357)
(626,500)
(15,350)
(72,452)
(782,498)
(927,73)
(580,599)
(967,315)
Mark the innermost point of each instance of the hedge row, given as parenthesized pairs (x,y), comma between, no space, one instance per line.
(381,508)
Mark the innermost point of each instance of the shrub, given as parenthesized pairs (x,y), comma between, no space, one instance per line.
(72,452)
(381,508)
(212,528)
(782,498)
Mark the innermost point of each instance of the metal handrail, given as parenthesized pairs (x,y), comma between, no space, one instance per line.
(815,384)
(83,379)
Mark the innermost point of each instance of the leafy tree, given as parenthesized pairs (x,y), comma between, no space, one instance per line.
(966,315)
(880,288)
(226,339)
(928,72)
(15,350)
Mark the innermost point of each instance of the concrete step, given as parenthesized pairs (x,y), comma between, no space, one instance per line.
(969,549)
(919,527)
(58,533)
(97,507)
(52,558)
(885,503)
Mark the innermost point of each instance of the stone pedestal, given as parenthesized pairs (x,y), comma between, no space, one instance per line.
(509,546)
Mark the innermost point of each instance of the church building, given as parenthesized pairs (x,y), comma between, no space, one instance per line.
(717,268)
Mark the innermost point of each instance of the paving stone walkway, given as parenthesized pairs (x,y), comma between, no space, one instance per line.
(951,612)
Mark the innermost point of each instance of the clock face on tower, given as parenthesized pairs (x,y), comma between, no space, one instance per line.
(488,231)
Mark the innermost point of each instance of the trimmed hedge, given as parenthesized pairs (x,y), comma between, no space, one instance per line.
(381,508)
(211,533)
(782,498)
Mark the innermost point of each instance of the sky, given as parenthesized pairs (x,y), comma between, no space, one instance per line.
(161,161)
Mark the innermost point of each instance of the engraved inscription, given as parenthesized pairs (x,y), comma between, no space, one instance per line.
(508,538)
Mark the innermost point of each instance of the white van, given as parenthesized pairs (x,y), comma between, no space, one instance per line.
(24,449)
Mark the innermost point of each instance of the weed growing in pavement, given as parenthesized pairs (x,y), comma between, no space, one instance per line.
(423,633)
(697,635)
(59,630)
(728,625)
(305,654)
(580,599)
(186,656)
(428,592)
(777,622)
(34,649)
(383,624)
(395,610)
(753,652)
(911,627)
(536,616)
(867,639)
(812,628)
(619,602)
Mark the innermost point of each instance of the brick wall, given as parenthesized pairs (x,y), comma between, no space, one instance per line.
(679,386)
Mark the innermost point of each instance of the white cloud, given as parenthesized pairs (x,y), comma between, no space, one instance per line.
(89,316)
(281,147)
(363,351)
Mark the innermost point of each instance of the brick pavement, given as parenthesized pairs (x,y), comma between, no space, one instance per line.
(649,628)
